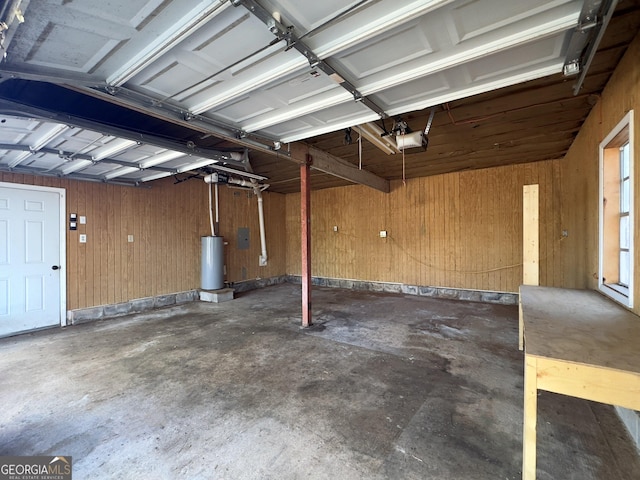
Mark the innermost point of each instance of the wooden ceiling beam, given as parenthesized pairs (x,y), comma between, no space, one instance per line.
(336,166)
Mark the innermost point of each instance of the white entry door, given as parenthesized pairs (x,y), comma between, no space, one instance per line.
(31,258)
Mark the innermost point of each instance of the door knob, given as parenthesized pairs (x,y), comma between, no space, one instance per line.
(55,267)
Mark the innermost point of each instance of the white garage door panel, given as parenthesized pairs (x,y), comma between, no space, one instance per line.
(30,239)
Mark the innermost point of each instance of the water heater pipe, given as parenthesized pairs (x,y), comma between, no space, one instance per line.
(262,260)
(217,207)
(257,190)
(213,232)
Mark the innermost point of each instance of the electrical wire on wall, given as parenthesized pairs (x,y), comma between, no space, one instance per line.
(464,272)
(441,269)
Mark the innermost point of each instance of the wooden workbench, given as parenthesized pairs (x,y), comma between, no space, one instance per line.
(577,343)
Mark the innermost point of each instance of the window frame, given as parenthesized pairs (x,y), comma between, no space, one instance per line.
(614,141)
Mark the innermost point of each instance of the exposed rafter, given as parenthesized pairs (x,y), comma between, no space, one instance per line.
(327,163)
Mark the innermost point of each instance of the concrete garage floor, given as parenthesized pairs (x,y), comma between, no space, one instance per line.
(384,386)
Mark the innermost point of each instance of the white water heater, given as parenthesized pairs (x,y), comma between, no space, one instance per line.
(212,264)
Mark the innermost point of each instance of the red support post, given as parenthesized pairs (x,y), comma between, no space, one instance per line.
(305,229)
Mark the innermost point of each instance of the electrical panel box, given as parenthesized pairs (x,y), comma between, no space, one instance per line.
(243,238)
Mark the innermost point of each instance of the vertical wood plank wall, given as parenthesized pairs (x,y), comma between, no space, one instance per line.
(167,222)
(460,230)
(580,172)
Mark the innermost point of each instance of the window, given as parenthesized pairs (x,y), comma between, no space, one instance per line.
(615,277)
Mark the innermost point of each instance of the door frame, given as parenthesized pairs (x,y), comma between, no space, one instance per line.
(63,239)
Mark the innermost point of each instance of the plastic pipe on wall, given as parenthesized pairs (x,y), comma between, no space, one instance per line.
(262,260)
(213,232)
(257,190)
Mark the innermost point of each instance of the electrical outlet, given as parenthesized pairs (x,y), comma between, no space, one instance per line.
(383,234)
(83,220)
(335,228)
(83,238)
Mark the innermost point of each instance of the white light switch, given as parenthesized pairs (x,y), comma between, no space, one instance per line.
(130,238)
(83,238)
(383,234)
(83,220)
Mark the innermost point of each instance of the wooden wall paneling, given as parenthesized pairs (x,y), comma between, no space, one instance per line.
(72,242)
(103,226)
(168,237)
(97,234)
(137,199)
(337,213)
(239,208)
(368,221)
(460,230)
(431,229)
(390,265)
(406,236)
(469,216)
(192,234)
(292,205)
(414,240)
(579,176)
(170,224)
(113,232)
(396,221)
(438,205)
(82,279)
(167,221)
(92,246)
(127,219)
(530,235)
(321,240)
(155,235)
(455,194)
(181,218)
(446,216)
(144,239)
